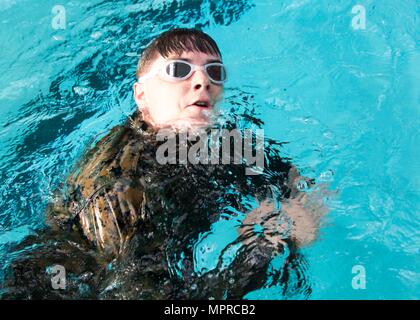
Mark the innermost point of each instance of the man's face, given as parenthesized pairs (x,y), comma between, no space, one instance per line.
(171,103)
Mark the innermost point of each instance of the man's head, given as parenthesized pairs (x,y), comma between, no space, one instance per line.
(165,101)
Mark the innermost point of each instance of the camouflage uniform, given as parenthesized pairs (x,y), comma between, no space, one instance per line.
(147,215)
(105,197)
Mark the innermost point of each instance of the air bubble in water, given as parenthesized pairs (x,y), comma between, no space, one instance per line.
(302,185)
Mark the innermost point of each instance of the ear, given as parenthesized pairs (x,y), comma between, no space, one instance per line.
(138,93)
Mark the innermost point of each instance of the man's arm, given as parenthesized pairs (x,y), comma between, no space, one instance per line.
(103,199)
(305,208)
(298,219)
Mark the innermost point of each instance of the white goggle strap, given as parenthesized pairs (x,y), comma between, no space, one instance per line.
(147,76)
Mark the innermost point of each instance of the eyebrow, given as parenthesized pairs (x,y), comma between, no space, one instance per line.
(190,61)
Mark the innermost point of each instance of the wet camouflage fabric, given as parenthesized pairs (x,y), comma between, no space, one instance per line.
(135,218)
(105,194)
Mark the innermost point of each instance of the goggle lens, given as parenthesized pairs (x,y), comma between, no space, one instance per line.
(216,72)
(181,70)
(178,69)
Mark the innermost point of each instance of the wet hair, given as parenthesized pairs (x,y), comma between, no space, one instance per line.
(176,41)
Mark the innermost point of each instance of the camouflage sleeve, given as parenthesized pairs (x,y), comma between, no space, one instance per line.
(104,200)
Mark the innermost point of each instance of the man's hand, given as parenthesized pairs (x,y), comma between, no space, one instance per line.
(306,211)
(298,219)
(266,222)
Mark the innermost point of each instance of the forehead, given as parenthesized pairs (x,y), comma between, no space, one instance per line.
(194,57)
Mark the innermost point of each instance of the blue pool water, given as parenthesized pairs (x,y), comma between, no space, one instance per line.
(346,100)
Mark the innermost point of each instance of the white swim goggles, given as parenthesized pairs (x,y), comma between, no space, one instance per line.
(178,70)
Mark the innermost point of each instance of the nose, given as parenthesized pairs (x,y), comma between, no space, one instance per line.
(200,80)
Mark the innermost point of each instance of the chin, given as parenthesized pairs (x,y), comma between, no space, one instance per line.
(188,123)
(197,113)
(193,117)
(196,122)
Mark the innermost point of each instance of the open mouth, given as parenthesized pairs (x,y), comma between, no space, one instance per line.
(201,104)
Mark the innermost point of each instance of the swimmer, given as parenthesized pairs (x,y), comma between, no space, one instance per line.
(129,210)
